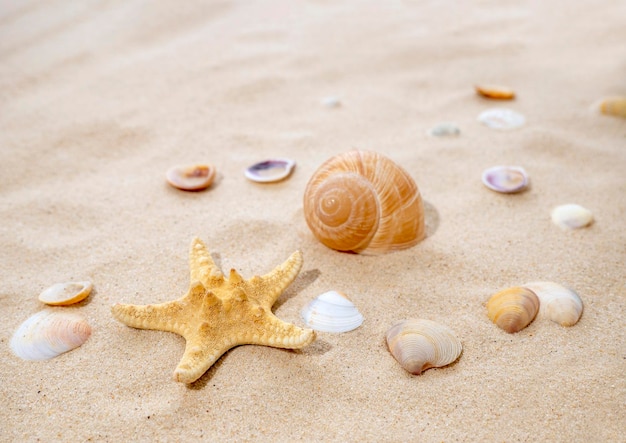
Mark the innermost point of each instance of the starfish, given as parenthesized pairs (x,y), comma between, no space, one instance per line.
(219,313)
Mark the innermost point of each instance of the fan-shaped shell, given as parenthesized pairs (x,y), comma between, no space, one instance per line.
(66,293)
(513,309)
(557,303)
(332,311)
(49,333)
(419,344)
(363,202)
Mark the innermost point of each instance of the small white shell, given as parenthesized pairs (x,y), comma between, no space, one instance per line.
(68,293)
(419,344)
(331,102)
(269,171)
(445,129)
(571,216)
(191,177)
(557,303)
(49,333)
(505,179)
(332,311)
(501,118)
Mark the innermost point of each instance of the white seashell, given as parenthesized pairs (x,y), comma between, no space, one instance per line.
(501,118)
(505,179)
(49,333)
(419,344)
(66,293)
(445,129)
(331,102)
(557,303)
(269,171)
(332,311)
(571,216)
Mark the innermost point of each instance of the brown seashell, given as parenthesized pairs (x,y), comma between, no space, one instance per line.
(495,91)
(419,344)
(615,106)
(191,177)
(363,202)
(513,309)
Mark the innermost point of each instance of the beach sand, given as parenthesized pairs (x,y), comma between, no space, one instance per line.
(99,99)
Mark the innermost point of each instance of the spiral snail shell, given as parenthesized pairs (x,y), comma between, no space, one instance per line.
(363,202)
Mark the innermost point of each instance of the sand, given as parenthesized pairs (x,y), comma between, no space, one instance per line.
(99,99)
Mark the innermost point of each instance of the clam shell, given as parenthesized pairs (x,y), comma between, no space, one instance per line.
(513,309)
(191,177)
(419,344)
(49,333)
(363,202)
(571,216)
(272,170)
(501,118)
(615,106)
(495,91)
(505,179)
(557,303)
(332,311)
(66,293)
(445,129)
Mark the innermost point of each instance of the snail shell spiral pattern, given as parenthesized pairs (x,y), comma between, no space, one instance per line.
(363,202)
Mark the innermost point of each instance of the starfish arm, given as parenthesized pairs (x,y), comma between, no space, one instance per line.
(164,317)
(201,265)
(280,334)
(199,356)
(267,289)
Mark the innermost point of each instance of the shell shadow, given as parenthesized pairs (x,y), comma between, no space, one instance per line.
(302,281)
(431,219)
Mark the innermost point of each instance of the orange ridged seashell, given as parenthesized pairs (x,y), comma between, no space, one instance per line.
(513,309)
(363,202)
(495,91)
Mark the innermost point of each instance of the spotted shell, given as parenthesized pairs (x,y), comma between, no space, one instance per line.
(513,309)
(419,344)
(49,333)
(363,202)
(558,303)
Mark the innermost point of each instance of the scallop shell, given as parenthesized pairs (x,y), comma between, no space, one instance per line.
(191,177)
(62,294)
(501,118)
(363,202)
(495,91)
(49,333)
(571,216)
(615,106)
(269,171)
(332,311)
(505,179)
(419,344)
(557,303)
(513,309)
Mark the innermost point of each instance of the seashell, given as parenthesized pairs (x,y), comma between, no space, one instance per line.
(422,344)
(615,106)
(49,333)
(270,170)
(66,293)
(495,91)
(191,177)
(505,179)
(332,311)
(571,216)
(557,303)
(363,202)
(501,118)
(513,309)
(331,102)
(445,129)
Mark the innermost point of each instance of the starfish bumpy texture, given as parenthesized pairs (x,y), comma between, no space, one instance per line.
(219,313)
